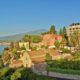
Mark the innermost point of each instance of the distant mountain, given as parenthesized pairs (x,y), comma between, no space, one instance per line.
(17,37)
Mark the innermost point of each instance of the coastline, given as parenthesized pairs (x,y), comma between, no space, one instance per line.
(4,43)
(2,48)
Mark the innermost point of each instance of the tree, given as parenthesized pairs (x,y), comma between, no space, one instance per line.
(23,48)
(64,32)
(36,38)
(12,45)
(1,63)
(16,75)
(45,33)
(15,54)
(27,74)
(75,39)
(48,57)
(17,45)
(5,72)
(52,29)
(63,42)
(6,57)
(61,32)
(27,38)
(57,44)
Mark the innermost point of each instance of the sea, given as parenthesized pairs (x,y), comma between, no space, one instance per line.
(2,48)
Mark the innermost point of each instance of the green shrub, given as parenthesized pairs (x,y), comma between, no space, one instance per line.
(34,48)
(57,44)
(65,50)
(65,71)
(77,55)
(64,64)
(6,71)
(21,74)
(16,75)
(23,48)
(1,63)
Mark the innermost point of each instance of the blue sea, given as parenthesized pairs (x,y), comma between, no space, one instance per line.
(2,48)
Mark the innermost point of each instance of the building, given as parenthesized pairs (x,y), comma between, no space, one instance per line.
(23,61)
(28,59)
(24,44)
(72,28)
(49,39)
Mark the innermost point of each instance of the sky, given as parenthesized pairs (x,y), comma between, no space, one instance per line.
(19,16)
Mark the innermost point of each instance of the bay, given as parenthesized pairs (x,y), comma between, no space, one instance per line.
(2,48)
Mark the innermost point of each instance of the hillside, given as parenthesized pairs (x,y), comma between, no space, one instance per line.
(17,37)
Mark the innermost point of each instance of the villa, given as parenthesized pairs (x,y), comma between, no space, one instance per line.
(24,44)
(72,28)
(49,39)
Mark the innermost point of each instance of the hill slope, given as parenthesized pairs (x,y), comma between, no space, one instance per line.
(20,36)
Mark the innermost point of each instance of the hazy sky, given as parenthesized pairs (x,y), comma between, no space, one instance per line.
(18,16)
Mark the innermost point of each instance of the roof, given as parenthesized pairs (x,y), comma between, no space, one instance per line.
(74,24)
(49,35)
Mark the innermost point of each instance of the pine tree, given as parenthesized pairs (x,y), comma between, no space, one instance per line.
(61,32)
(52,29)
(64,32)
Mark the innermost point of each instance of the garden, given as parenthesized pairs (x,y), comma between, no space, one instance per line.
(64,66)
